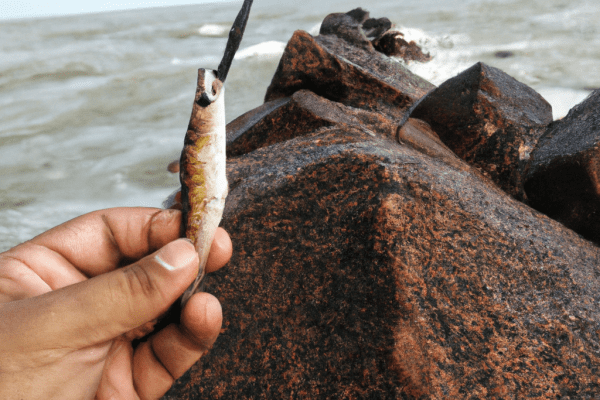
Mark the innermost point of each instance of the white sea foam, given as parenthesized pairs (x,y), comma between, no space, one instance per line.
(452,54)
(201,61)
(315,29)
(213,30)
(449,54)
(270,49)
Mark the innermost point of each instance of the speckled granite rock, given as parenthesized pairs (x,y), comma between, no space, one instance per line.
(419,135)
(366,269)
(340,70)
(372,262)
(564,174)
(490,120)
(300,114)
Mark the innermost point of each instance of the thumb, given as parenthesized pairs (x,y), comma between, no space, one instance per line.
(108,305)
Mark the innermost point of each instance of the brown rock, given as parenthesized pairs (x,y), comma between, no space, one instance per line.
(348,27)
(355,27)
(563,180)
(366,269)
(173,167)
(336,70)
(371,262)
(503,54)
(419,135)
(393,44)
(375,28)
(490,120)
(289,117)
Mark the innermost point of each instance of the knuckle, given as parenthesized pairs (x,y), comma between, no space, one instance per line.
(139,282)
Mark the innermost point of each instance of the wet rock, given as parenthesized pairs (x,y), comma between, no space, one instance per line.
(490,120)
(339,71)
(364,268)
(173,167)
(563,180)
(356,28)
(348,27)
(419,135)
(289,117)
(503,54)
(393,44)
(375,28)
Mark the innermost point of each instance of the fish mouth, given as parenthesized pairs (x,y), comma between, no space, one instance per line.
(204,100)
(209,87)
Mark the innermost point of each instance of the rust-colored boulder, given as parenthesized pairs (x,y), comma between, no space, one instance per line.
(563,180)
(419,135)
(300,114)
(364,268)
(372,262)
(490,120)
(339,71)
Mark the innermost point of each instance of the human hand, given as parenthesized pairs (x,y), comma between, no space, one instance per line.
(68,313)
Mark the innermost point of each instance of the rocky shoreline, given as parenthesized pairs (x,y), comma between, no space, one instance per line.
(387,239)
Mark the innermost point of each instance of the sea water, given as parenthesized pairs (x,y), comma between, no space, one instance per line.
(93,107)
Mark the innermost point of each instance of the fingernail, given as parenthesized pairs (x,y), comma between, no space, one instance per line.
(176,255)
(165,264)
(167,214)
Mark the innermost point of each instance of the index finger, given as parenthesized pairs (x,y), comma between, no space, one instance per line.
(102,240)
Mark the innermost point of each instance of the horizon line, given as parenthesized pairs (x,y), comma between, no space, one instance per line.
(57,13)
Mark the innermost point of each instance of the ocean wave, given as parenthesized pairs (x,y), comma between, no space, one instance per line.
(315,29)
(213,30)
(270,49)
(202,61)
(21,222)
(448,52)
(452,54)
(68,71)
